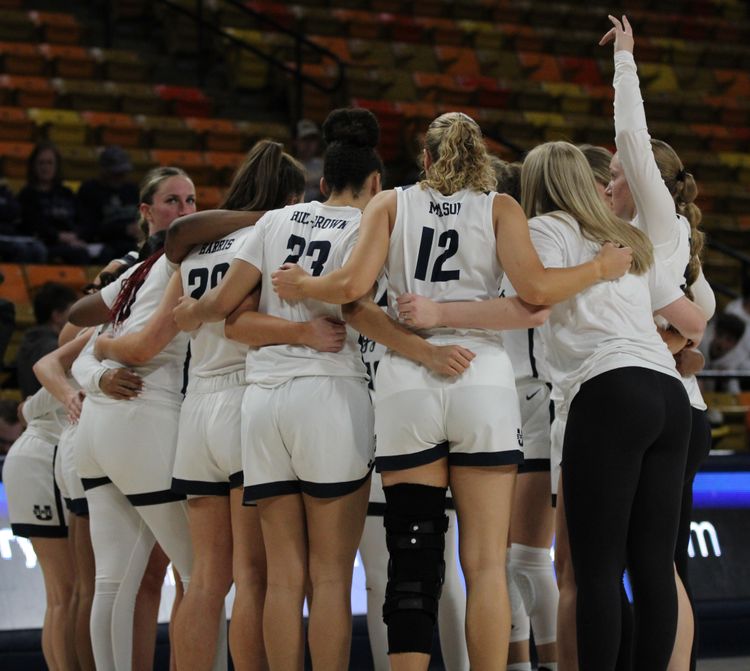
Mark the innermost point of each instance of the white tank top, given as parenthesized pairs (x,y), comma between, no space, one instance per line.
(524,346)
(45,416)
(163,376)
(443,248)
(320,239)
(210,352)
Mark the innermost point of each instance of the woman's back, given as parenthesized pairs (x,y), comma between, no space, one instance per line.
(319,238)
(610,325)
(443,247)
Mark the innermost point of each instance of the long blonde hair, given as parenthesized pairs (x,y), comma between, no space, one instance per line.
(556,176)
(682,187)
(458,154)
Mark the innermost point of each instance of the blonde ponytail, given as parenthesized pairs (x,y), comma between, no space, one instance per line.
(459,158)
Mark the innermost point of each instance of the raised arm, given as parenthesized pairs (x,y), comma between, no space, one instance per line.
(139,347)
(256,329)
(193,229)
(360,272)
(369,319)
(653,202)
(536,284)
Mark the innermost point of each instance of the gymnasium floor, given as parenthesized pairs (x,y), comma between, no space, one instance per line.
(725,664)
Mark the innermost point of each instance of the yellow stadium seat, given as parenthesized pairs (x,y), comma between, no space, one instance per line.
(60,126)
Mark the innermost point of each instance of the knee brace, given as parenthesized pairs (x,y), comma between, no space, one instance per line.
(519,620)
(415,525)
(531,570)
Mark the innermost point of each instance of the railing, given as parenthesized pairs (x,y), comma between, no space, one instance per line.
(731,252)
(200,16)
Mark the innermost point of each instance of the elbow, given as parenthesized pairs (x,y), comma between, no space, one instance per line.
(536,296)
(138,357)
(172,243)
(352,289)
(539,316)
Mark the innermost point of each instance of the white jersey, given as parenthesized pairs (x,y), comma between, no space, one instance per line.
(319,238)
(610,325)
(524,346)
(163,376)
(45,416)
(372,352)
(211,353)
(443,248)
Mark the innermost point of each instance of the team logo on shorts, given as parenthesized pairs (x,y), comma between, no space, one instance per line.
(43,513)
(519,437)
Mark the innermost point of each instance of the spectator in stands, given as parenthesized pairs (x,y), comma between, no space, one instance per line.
(51,307)
(10,425)
(310,155)
(14,246)
(48,209)
(725,352)
(108,205)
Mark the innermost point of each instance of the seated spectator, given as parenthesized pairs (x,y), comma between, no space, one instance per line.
(14,246)
(725,352)
(51,307)
(7,324)
(10,425)
(108,206)
(310,154)
(48,208)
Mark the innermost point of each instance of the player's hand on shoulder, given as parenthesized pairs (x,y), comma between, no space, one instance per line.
(288,282)
(614,261)
(449,360)
(418,312)
(121,384)
(184,315)
(325,334)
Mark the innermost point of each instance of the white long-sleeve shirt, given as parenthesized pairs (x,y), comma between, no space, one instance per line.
(655,209)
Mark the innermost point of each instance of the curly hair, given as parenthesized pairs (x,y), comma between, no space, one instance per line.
(458,156)
(684,191)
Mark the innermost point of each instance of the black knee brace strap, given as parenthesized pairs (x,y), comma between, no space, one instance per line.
(416,568)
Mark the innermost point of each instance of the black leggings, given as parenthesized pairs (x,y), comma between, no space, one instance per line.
(698,449)
(623,470)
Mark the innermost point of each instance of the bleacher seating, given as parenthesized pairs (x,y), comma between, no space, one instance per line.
(527,71)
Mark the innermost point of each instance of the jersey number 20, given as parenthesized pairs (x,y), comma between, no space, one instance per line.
(201,279)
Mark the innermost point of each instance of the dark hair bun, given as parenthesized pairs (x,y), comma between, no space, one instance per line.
(354,126)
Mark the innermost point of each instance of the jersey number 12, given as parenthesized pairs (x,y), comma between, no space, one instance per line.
(448,240)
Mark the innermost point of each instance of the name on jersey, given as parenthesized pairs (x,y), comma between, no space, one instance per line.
(217,246)
(444,209)
(318,222)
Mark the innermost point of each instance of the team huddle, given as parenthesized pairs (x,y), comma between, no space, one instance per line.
(269,385)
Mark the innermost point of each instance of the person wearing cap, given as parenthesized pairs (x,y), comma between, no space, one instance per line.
(108,205)
(308,152)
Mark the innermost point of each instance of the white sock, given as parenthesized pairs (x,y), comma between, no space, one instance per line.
(519,666)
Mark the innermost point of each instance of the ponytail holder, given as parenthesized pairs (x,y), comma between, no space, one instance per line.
(681,175)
